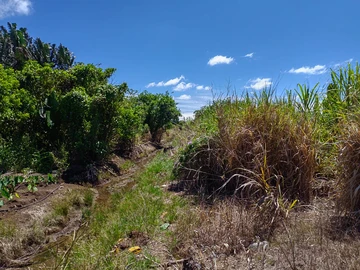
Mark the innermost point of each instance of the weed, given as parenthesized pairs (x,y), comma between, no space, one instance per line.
(61,208)
(7,229)
(88,198)
(128,164)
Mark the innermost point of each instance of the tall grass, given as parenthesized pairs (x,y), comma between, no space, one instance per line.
(262,148)
(264,145)
(349,175)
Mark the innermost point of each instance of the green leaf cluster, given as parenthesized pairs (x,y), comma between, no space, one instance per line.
(54,113)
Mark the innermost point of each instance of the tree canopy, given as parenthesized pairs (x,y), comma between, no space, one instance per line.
(55,113)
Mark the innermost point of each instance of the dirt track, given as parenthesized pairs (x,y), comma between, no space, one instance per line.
(32,207)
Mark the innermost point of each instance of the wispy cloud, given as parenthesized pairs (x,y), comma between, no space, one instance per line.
(220,59)
(170,82)
(152,84)
(249,55)
(174,81)
(188,106)
(343,63)
(10,8)
(184,86)
(259,83)
(201,87)
(316,70)
(184,97)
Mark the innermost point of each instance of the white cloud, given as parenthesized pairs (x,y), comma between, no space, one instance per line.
(188,106)
(343,63)
(170,82)
(220,59)
(249,55)
(259,83)
(184,86)
(10,8)
(185,116)
(151,85)
(316,70)
(174,81)
(201,87)
(184,97)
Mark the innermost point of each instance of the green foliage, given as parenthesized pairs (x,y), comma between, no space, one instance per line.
(308,100)
(205,119)
(43,162)
(73,110)
(16,104)
(46,110)
(17,47)
(342,96)
(160,113)
(143,209)
(130,123)
(90,77)
(103,119)
(54,113)
(8,184)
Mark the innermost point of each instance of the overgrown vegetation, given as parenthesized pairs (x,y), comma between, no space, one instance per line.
(283,170)
(265,147)
(55,113)
(8,183)
(129,218)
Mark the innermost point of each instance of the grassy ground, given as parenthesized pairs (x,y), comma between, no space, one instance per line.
(142,216)
(252,183)
(178,231)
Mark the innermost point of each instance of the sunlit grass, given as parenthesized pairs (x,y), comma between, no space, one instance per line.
(144,209)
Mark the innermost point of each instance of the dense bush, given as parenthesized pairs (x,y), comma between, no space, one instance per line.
(160,113)
(55,113)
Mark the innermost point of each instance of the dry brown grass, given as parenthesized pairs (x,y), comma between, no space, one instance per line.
(217,237)
(21,241)
(349,160)
(260,150)
(26,233)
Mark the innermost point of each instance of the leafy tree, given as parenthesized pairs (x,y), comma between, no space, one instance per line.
(90,77)
(160,113)
(16,104)
(17,47)
(53,112)
(103,119)
(73,110)
(129,123)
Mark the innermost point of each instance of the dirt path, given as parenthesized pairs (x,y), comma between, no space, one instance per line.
(33,223)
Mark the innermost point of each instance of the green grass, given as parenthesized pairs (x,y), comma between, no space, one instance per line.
(128,164)
(144,209)
(7,229)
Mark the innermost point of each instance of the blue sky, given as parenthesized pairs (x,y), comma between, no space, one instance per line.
(194,48)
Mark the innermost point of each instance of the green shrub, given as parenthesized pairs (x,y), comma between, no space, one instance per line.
(160,113)
(44,162)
